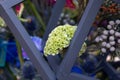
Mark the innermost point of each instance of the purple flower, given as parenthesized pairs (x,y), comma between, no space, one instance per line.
(38,43)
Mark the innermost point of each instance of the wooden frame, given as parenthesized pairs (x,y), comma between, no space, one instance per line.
(22,36)
(59,71)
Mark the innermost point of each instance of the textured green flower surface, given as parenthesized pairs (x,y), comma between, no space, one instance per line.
(83,49)
(2,23)
(59,39)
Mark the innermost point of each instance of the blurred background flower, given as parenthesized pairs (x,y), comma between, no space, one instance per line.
(38,43)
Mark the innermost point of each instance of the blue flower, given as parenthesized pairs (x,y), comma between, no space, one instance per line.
(38,43)
(77,69)
(11,52)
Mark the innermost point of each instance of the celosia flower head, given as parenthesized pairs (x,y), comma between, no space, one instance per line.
(59,39)
(2,22)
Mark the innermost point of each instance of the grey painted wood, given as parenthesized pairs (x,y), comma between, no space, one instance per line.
(112,73)
(24,39)
(54,62)
(78,39)
(36,57)
(58,7)
(10,3)
(75,76)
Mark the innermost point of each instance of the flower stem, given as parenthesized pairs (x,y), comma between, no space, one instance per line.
(19,53)
(35,12)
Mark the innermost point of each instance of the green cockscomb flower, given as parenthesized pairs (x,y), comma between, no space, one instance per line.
(2,22)
(83,49)
(59,39)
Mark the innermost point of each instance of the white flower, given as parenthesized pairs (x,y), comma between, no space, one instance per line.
(111,31)
(117,34)
(112,42)
(97,39)
(108,45)
(104,43)
(109,27)
(118,40)
(105,32)
(111,22)
(111,38)
(112,49)
(118,21)
(104,36)
(103,50)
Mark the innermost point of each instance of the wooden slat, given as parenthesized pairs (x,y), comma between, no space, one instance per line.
(78,39)
(111,72)
(24,39)
(58,7)
(74,76)
(9,3)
